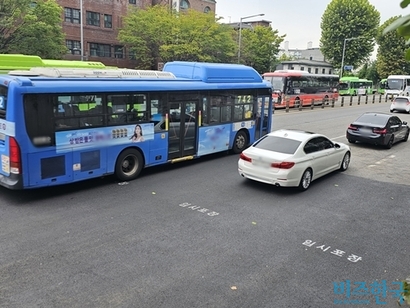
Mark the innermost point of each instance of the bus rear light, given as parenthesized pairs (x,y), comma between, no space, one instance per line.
(245,158)
(15,156)
(283,165)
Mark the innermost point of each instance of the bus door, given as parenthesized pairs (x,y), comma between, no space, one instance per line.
(264,119)
(182,128)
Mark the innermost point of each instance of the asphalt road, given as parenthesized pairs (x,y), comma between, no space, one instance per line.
(196,234)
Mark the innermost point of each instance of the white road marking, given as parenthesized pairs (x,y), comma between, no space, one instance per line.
(343,136)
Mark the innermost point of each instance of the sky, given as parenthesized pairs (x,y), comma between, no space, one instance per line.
(298,19)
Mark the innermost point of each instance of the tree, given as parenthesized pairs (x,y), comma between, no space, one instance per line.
(155,34)
(260,47)
(402,26)
(198,37)
(391,52)
(344,19)
(32,28)
(369,71)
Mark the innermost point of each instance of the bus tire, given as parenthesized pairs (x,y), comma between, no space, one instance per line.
(240,142)
(129,165)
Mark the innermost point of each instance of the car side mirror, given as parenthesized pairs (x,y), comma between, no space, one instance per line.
(404,123)
(337,146)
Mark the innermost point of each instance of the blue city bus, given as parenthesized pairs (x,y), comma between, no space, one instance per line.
(62,125)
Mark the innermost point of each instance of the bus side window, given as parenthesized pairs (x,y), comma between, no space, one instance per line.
(39,106)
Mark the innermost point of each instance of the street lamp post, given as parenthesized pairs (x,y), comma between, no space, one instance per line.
(81,30)
(344,50)
(240,33)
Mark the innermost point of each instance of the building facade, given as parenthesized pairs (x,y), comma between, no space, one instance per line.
(310,59)
(101,22)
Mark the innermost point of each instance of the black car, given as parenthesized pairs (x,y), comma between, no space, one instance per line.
(378,128)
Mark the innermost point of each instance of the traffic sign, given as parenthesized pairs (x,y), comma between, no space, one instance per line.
(348,67)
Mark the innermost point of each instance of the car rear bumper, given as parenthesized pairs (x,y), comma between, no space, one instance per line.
(373,138)
(285,179)
(405,108)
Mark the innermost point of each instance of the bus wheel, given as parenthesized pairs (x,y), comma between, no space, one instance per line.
(129,165)
(240,142)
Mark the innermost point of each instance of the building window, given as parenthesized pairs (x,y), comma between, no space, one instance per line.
(302,68)
(323,71)
(74,47)
(131,55)
(309,70)
(207,9)
(93,18)
(316,71)
(330,71)
(292,68)
(184,4)
(100,50)
(71,15)
(132,1)
(107,21)
(118,52)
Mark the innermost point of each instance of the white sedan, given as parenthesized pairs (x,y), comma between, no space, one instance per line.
(400,103)
(292,158)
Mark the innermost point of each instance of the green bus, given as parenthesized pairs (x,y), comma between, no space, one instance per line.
(355,86)
(381,88)
(11,62)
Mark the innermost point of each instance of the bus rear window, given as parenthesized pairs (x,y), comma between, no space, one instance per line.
(3,101)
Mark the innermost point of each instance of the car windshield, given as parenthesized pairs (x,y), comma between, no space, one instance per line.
(278,144)
(371,118)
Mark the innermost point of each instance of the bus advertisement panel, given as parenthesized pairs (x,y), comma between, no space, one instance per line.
(292,88)
(77,124)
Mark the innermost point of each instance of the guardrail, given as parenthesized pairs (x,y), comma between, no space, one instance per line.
(341,101)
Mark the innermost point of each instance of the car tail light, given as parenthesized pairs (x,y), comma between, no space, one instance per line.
(245,158)
(15,157)
(352,127)
(283,165)
(379,130)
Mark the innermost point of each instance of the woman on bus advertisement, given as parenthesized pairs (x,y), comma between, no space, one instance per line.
(137,136)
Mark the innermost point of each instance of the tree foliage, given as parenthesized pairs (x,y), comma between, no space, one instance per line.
(31,27)
(157,35)
(391,53)
(260,47)
(369,71)
(346,19)
(402,26)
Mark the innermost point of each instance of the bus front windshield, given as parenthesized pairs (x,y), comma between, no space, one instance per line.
(394,84)
(343,86)
(278,83)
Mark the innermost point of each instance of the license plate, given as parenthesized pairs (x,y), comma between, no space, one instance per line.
(366,130)
(259,163)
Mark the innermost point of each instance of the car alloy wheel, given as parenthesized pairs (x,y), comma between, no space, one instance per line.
(390,143)
(305,180)
(406,137)
(345,162)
